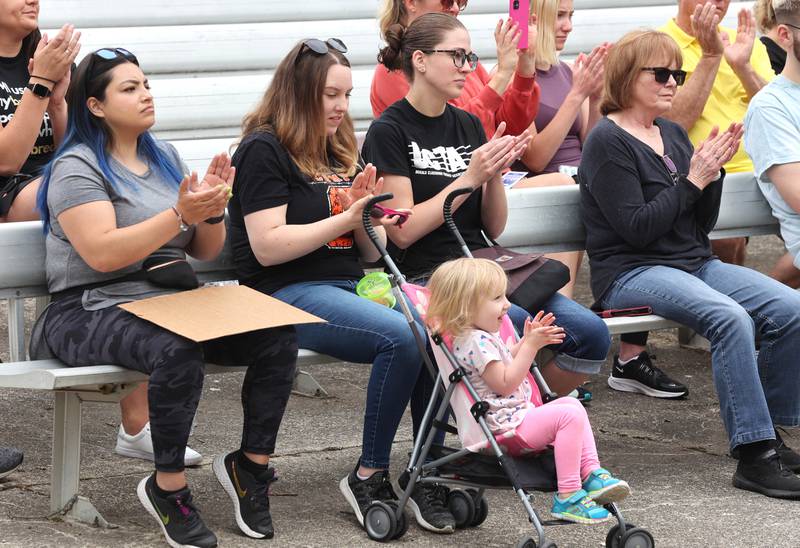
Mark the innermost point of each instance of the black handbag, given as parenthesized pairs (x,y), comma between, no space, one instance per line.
(168,269)
(532,278)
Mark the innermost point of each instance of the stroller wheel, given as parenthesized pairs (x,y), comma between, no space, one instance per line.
(462,506)
(614,536)
(481,508)
(528,542)
(380,521)
(402,523)
(637,538)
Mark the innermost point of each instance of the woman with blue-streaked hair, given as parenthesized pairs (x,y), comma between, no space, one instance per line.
(120,214)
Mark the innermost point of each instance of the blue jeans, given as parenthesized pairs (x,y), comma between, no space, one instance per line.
(731,305)
(361,331)
(587,341)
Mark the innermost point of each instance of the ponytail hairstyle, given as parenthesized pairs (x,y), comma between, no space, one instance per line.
(391,12)
(91,79)
(423,34)
(291,109)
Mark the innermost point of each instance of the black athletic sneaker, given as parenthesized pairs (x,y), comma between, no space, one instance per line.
(249,493)
(789,457)
(640,375)
(10,459)
(429,503)
(766,475)
(361,493)
(176,515)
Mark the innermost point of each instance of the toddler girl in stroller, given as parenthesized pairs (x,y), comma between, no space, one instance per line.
(468,303)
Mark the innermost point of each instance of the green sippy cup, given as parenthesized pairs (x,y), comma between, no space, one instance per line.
(376,286)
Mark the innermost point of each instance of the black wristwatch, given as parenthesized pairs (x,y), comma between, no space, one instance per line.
(39,90)
(215,220)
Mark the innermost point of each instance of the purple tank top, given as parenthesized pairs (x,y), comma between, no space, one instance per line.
(555,85)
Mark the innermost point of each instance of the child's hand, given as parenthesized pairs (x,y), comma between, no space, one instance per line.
(540,320)
(539,337)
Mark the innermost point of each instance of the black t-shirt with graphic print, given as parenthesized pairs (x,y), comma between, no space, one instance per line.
(267,177)
(431,152)
(13,79)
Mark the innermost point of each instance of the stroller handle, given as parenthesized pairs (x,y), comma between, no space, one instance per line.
(447,209)
(367,221)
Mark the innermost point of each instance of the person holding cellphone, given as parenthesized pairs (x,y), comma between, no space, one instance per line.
(425,148)
(508,94)
(112,199)
(297,234)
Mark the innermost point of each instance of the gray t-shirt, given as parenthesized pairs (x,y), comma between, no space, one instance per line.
(76,179)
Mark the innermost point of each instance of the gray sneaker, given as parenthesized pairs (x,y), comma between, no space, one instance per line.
(10,459)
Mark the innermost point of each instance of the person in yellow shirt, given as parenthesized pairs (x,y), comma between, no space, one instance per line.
(726,68)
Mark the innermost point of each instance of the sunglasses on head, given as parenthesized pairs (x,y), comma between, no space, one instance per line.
(321,48)
(112,53)
(662,74)
(447,4)
(459,56)
(99,62)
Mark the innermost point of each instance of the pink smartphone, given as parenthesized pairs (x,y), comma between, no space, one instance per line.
(519,11)
(379,211)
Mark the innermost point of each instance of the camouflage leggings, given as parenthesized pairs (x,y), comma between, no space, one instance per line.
(176,368)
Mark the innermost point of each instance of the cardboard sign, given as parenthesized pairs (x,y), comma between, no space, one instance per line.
(211,312)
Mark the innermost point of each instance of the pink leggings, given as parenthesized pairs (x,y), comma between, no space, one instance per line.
(563,423)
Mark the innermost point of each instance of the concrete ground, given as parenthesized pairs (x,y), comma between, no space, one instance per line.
(673,453)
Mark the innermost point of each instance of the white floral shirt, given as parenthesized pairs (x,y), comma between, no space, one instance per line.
(475,349)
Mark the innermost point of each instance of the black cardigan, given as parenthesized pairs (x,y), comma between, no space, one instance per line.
(635,211)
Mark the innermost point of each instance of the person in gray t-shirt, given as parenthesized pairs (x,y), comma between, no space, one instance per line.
(111,198)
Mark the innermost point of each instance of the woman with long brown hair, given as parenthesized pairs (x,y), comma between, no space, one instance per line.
(297,235)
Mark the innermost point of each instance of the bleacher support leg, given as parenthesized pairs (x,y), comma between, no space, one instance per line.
(306,385)
(16,329)
(65,476)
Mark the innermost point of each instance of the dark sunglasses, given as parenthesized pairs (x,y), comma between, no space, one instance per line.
(459,56)
(447,4)
(321,48)
(662,74)
(112,53)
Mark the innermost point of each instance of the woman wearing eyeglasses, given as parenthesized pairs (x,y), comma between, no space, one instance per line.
(425,148)
(648,201)
(509,94)
(297,234)
(114,201)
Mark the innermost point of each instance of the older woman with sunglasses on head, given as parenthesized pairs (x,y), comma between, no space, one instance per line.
(297,234)
(509,94)
(648,201)
(112,199)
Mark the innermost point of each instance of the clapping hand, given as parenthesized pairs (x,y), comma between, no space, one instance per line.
(738,53)
(713,153)
(541,331)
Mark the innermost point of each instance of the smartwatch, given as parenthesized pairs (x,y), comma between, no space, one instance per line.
(39,90)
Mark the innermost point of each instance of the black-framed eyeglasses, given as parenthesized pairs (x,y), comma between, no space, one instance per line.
(447,4)
(459,56)
(662,74)
(790,25)
(318,47)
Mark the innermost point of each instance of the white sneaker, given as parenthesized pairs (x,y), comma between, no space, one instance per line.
(140,446)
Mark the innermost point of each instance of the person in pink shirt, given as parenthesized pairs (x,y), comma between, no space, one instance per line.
(508,94)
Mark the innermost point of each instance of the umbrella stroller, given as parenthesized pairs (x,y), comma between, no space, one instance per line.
(485,460)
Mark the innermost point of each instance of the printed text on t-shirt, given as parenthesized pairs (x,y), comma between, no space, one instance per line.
(446,161)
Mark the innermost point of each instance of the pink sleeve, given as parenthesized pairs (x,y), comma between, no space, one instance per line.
(387,88)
